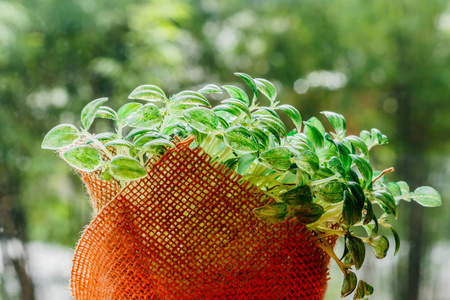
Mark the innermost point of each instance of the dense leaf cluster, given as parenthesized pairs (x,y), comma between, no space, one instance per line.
(321,179)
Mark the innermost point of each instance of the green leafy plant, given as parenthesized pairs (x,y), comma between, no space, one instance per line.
(321,179)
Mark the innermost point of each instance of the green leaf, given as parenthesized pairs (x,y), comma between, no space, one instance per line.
(338,123)
(210,88)
(178,109)
(189,97)
(148,92)
(404,187)
(146,116)
(350,210)
(302,177)
(275,135)
(366,137)
(369,216)
(332,192)
(387,202)
(199,136)
(245,161)
(380,246)
(106,175)
(359,144)
(237,93)
(352,176)
(126,168)
(262,137)
(156,143)
(60,136)
(223,123)
(374,137)
(277,158)
(358,193)
(248,80)
(357,250)
(377,136)
(349,284)
(315,138)
(231,163)
(122,143)
(335,165)
(105,136)
(143,139)
(427,196)
(127,109)
(396,237)
(239,105)
(308,213)
(307,161)
(363,290)
(344,156)
(89,111)
(294,114)
(202,119)
(266,111)
(176,129)
(241,140)
(272,213)
(297,196)
(83,158)
(364,168)
(325,154)
(394,188)
(274,123)
(267,88)
(313,121)
(230,109)
(138,132)
(106,112)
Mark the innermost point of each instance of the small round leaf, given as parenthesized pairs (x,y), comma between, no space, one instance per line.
(128,109)
(267,88)
(83,158)
(298,195)
(146,116)
(349,284)
(272,213)
(126,168)
(380,246)
(241,140)
(148,92)
(332,192)
(308,213)
(60,136)
(202,119)
(277,158)
(427,196)
(89,111)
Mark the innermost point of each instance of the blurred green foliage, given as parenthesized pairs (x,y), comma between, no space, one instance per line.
(383,64)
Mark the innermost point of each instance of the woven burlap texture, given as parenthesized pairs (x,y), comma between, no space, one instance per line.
(187,231)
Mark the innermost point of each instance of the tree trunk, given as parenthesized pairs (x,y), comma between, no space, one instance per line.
(411,166)
(12,225)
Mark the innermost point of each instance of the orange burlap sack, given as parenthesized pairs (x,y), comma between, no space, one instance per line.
(187,231)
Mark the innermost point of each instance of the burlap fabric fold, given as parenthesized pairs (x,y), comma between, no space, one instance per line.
(187,231)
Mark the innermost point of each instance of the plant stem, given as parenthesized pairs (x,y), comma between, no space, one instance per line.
(325,180)
(99,144)
(382,173)
(238,119)
(325,246)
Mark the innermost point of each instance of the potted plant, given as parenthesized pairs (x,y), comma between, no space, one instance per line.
(196,202)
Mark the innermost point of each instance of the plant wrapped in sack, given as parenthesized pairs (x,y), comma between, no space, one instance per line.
(196,202)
